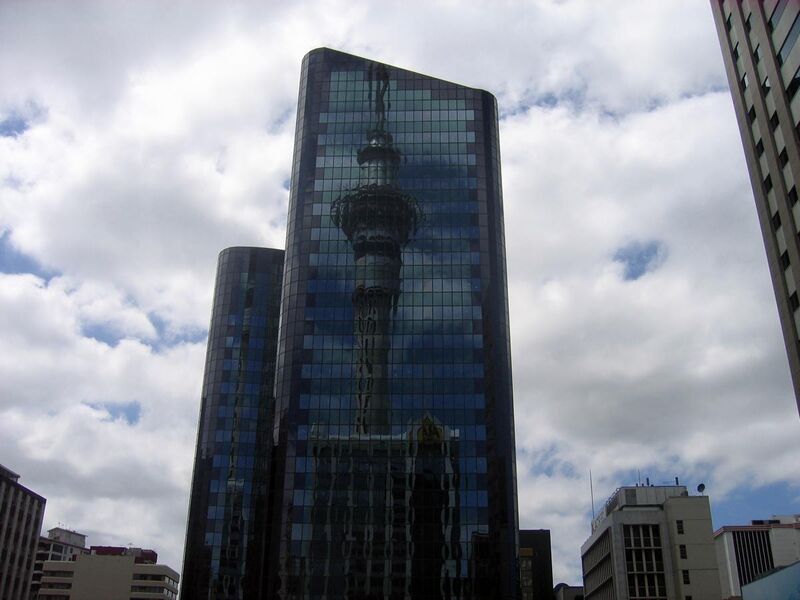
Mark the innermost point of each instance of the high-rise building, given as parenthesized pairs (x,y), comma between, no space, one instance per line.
(109,573)
(535,564)
(747,552)
(563,591)
(762,60)
(651,542)
(394,436)
(390,469)
(21,513)
(60,544)
(227,535)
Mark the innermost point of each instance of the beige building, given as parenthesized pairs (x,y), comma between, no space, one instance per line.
(762,59)
(746,552)
(652,542)
(119,576)
(60,544)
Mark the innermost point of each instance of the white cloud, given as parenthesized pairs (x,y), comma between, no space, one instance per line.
(160,134)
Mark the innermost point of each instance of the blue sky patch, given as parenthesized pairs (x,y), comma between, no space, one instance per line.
(640,258)
(13,125)
(130,412)
(102,333)
(743,504)
(14,262)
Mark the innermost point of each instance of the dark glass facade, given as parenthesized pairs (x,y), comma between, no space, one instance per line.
(394,469)
(226,540)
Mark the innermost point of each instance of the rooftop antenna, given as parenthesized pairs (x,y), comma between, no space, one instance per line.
(701,488)
(591,491)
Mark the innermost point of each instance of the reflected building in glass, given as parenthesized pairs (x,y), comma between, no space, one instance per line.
(393,457)
(226,539)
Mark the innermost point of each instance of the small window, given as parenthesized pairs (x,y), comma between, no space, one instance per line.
(736,51)
(783,157)
(794,85)
(682,547)
(768,184)
(757,54)
(687,598)
(785,262)
(760,147)
(792,195)
(766,86)
(776,221)
(751,114)
(686,578)
(773,121)
(745,83)
(794,301)
(747,24)
(679,526)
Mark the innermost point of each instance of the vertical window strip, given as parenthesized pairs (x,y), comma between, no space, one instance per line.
(790,40)
(777,13)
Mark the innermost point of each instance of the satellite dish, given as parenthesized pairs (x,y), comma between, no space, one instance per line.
(701,488)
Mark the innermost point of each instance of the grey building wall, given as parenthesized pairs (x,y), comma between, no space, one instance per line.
(21,513)
(762,62)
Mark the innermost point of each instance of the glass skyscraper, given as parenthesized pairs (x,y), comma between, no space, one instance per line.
(391,468)
(225,539)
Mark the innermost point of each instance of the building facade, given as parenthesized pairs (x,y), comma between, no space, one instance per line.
(393,435)
(762,61)
(535,564)
(21,514)
(109,573)
(563,591)
(783,582)
(654,543)
(747,552)
(59,545)
(226,537)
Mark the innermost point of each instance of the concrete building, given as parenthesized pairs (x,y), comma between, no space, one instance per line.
(21,513)
(762,60)
(651,542)
(109,573)
(60,544)
(746,552)
(535,564)
(562,591)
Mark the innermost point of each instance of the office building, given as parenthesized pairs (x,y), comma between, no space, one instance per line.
(746,552)
(394,416)
(762,61)
(60,544)
(783,583)
(651,542)
(21,513)
(109,573)
(391,470)
(535,564)
(226,533)
(562,591)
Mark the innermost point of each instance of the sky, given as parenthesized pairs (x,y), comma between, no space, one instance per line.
(138,139)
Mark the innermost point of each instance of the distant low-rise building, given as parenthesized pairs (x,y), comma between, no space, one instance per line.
(109,573)
(60,544)
(653,542)
(562,591)
(21,513)
(745,552)
(535,564)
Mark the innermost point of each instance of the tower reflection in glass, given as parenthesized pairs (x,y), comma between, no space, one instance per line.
(394,443)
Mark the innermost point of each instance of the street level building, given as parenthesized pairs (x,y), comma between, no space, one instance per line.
(746,552)
(109,573)
(535,564)
(227,533)
(783,582)
(651,542)
(59,545)
(762,61)
(21,513)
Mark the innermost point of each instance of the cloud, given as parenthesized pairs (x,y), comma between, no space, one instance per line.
(141,139)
